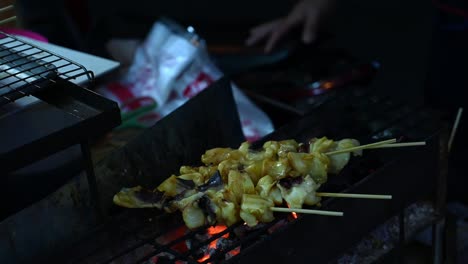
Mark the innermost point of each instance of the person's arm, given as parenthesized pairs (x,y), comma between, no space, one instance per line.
(306,13)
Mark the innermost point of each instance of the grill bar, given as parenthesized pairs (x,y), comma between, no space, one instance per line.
(136,246)
(12,47)
(11,51)
(23,65)
(166,247)
(366,117)
(386,123)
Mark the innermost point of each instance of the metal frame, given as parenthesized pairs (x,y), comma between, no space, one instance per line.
(25,70)
(439,227)
(381,181)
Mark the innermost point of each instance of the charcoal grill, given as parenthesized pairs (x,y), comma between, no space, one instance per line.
(149,236)
(43,111)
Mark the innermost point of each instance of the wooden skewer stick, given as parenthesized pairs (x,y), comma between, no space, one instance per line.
(454,128)
(355,195)
(305,211)
(7,20)
(398,145)
(6,8)
(390,141)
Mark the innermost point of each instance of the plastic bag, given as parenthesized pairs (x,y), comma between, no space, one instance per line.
(171,66)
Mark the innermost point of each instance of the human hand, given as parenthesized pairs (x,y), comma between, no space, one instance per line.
(307,13)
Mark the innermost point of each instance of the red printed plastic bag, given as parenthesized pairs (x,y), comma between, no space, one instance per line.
(171,66)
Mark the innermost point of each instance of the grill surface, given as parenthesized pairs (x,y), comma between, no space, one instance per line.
(409,175)
(57,114)
(26,69)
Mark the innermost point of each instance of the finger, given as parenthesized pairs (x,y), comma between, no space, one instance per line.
(310,29)
(265,26)
(260,32)
(291,20)
(277,34)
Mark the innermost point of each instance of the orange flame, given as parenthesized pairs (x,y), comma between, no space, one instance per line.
(207,256)
(328,85)
(234,251)
(294,214)
(213,231)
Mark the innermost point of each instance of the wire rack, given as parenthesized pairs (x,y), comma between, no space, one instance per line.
(26,69)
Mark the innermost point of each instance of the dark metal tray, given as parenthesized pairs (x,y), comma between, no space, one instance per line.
(408,175)
(66,115)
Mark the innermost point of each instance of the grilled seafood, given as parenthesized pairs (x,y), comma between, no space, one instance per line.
(235,184)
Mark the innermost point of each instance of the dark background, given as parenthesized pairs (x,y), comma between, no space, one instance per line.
(400,34)
(421,46)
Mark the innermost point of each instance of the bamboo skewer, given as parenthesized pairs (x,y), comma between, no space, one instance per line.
(398,145)
(385,142)
(305,211)
(355,195)
(382,144)
(6,8)
(7,20)
(455,127)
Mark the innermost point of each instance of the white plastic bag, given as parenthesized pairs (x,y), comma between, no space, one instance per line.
(171,66)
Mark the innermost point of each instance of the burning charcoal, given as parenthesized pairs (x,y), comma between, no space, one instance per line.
(233,253)
(198,242)
(224,243)
(199,251)
(214,181)
(219,251)
(216,255)
(161,258)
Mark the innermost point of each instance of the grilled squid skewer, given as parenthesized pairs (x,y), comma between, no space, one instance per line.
(235,184)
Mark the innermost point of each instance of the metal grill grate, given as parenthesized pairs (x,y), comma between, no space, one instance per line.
(171,244)
(192,254)
(25,69)
(352,113)
(161,239)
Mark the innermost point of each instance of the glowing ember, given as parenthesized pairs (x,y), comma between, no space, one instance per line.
(216,230)
(234,252)
(207,256)
(328,85)
(213,246)
(213,231)
(294,214)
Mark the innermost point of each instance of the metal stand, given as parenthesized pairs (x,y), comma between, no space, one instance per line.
(439,227)
(91,177)
(401,237)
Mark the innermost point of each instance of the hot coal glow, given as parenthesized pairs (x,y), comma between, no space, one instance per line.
(294,214)
(211,231)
